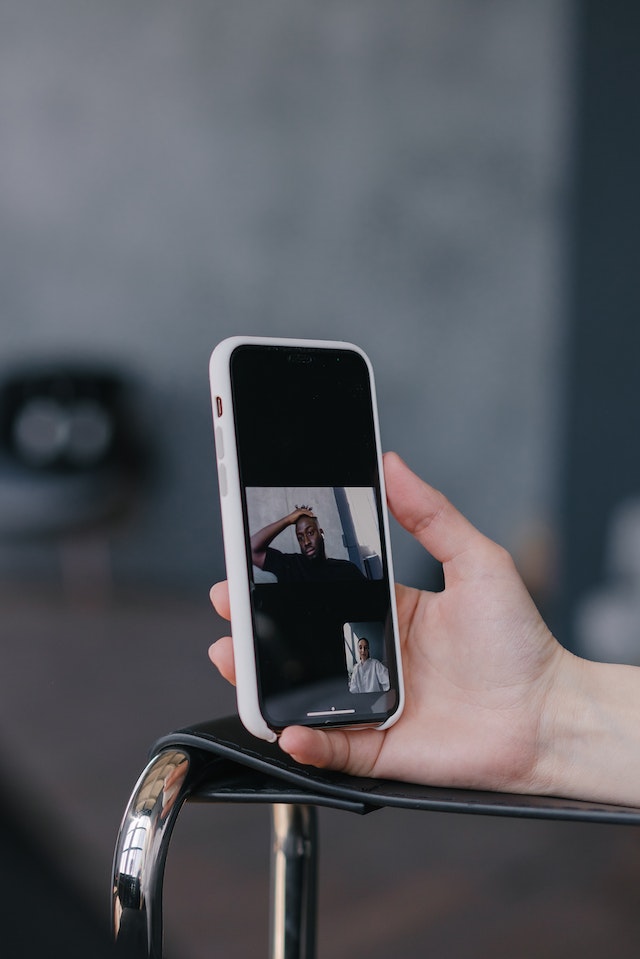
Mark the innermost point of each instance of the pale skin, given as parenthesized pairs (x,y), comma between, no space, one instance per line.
(363,650)
(493,701)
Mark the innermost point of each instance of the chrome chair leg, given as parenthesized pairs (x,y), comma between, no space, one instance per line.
(141,852)
(293,881)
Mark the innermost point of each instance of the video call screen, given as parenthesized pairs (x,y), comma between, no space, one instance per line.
(320,590)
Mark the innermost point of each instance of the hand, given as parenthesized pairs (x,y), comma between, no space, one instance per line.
(492,700)
(299,511)
(477,660)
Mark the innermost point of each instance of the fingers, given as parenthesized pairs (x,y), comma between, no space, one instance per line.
(221,655)
(426,513)
(219,596)
(221,652)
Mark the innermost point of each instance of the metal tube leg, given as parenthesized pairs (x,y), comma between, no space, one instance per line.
(293,881)
(141,852)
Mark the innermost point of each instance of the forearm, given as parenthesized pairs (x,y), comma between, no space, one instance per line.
(261,540)
(590,738)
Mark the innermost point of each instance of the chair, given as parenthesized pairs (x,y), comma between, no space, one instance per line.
(219,762)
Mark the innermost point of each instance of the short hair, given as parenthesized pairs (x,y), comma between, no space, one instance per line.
(304,516)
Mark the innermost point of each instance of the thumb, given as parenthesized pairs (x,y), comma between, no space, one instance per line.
(427,514)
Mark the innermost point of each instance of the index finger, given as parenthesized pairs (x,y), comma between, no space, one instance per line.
(219,595)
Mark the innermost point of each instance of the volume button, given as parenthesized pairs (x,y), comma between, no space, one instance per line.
(222,479)
(219,442)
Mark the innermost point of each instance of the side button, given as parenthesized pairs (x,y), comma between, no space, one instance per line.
(219,442)
(222,479)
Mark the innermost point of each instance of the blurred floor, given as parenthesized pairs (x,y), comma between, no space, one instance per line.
(84,691)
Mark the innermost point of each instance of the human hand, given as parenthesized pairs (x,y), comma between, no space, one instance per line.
(479,664)
(299,511)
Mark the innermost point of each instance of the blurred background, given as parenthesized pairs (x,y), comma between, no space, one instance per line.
(451,185)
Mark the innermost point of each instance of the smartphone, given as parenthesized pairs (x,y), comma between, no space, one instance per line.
(306,537)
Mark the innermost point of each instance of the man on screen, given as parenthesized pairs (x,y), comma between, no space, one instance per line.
(311,564)
(369,675)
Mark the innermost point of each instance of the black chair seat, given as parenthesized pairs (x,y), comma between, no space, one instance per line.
(257,771)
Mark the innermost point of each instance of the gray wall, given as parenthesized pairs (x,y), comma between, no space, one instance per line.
(388,173)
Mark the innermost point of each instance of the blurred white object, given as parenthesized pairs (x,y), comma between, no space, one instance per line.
(608,618)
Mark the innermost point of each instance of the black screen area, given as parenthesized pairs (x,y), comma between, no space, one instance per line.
(304,419)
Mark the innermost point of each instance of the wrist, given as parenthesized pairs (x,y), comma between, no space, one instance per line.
(589,733)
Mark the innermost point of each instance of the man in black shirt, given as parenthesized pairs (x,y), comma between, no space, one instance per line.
(311,564)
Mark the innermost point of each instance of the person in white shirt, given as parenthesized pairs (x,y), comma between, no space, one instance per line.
(369,675)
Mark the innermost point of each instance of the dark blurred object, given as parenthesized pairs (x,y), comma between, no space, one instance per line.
(68,456)
(42,913)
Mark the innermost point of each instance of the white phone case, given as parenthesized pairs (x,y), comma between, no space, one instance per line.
(233,525)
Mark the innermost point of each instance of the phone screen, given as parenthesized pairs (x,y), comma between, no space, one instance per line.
(315,536)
